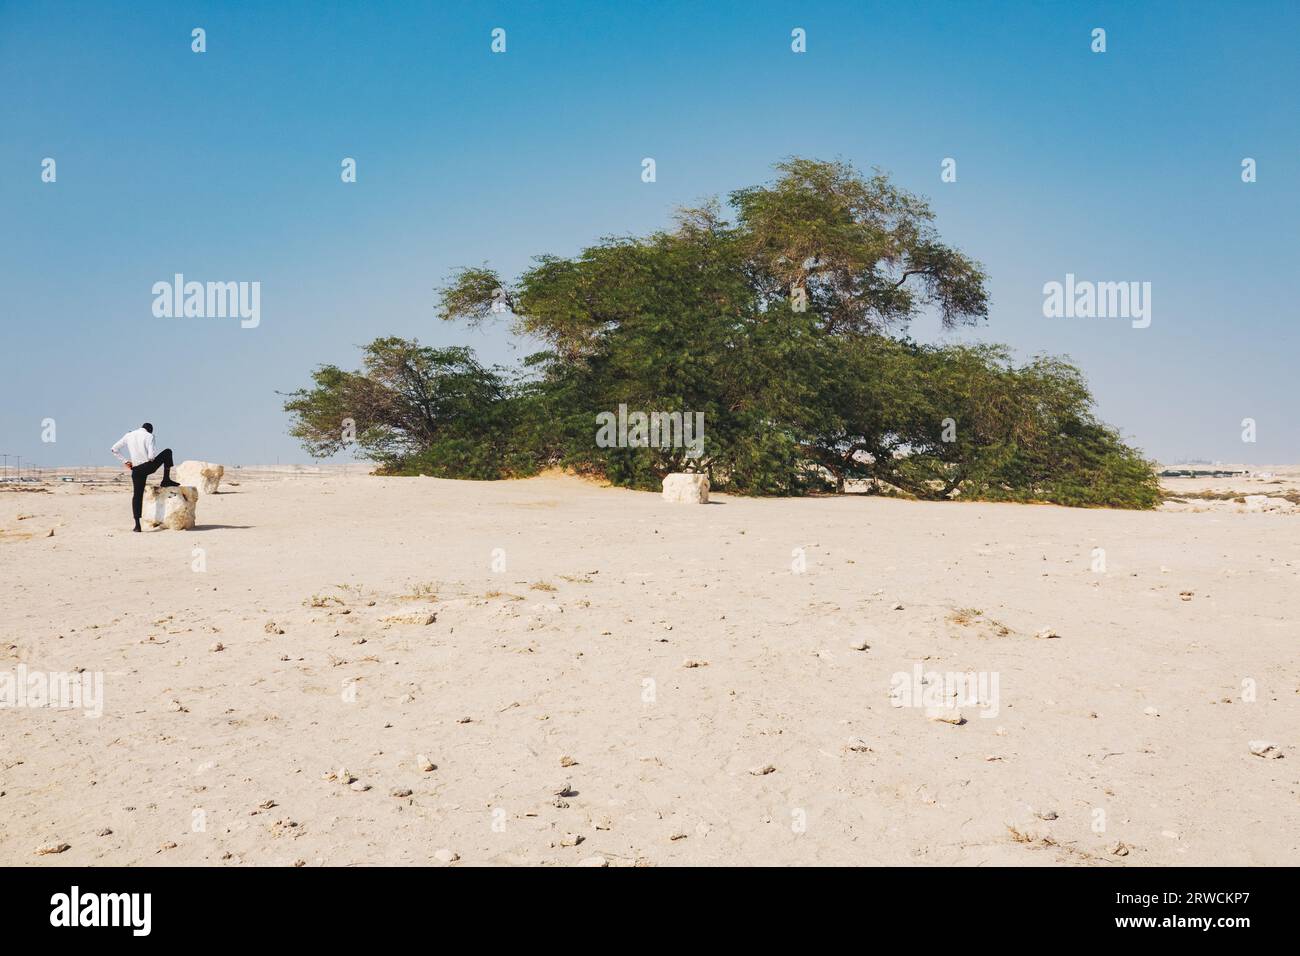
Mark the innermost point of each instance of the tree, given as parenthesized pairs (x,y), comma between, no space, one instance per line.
(785,327)
(409,407)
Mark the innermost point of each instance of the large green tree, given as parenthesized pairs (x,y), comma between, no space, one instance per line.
(784,322)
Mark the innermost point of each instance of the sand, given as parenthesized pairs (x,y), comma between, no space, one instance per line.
(367,626)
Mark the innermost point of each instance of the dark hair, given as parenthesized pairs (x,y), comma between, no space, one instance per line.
(147,427)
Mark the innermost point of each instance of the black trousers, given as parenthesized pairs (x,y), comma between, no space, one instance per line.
(141,473)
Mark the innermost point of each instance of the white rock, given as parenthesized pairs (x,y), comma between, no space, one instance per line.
(593,861)
(425,764)
(859,644)
(1265,748)
(446,856)
(1151,712)
(945,715)
(686,489)
(169,508)
(203,475)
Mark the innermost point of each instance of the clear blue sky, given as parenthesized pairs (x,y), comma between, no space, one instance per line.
(225,166)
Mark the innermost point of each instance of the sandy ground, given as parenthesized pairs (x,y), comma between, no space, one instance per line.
(364,629)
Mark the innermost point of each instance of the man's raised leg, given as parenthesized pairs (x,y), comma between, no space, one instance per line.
(165,456)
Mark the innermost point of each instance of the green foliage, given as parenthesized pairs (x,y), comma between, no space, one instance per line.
(785,328)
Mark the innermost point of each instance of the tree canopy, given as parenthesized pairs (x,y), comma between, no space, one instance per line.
(785,326)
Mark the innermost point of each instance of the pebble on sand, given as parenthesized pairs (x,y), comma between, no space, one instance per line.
(1265,748)
(945,715)
(1151,712)
(593,861)
(400,792)
(571,839)
(217,647)
(50,848)
(425,764)
(859,645)
(692,662)
(446,856)
(763,770)
(567,761)
(1046,633)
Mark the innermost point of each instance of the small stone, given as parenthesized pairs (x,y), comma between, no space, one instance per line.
(571,839)
(465,720)
(692,662)
(593,861)
(169,845)
(344,775)
(897,606)
(1265,748)
(217,647)
(567,761)
(563,790)
(176,707)
(859,645)
(686,488)
(1151,712)
(763,770)
(425,764)
(945,715)
(1120,849)
(359,787)
(104,832)
(1047,815)
(858,746)
(1046,634)
(400,792)
(446,856)
(273,628)
(677,836)
(51,848)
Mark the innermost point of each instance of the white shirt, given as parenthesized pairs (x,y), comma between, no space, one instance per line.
(138,445)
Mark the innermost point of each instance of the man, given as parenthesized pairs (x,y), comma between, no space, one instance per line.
(141,463)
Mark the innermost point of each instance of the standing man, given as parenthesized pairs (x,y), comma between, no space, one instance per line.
(141,463)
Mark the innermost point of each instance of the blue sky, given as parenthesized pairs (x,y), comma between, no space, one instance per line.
(225,166)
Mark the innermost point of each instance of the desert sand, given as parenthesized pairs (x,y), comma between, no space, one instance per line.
(596,676)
